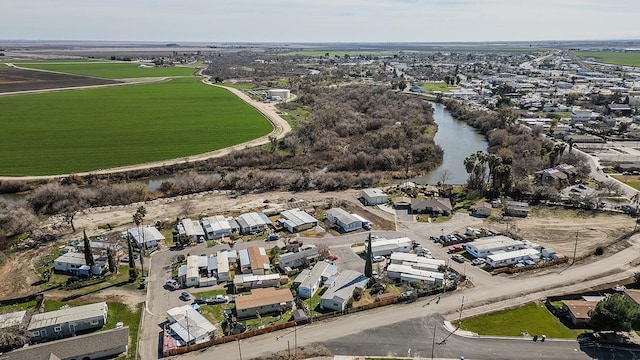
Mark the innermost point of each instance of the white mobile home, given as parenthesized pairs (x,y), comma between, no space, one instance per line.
(485,246)
(343,219)
(191,229)
(296,220)
(512,257)
(193,271)
(374,196)
(145,237)
(251,223)
(312,281)
(223,265)
(406,273)
(246,282)
(384,247)
(189,325)
(216,227)
(340,292)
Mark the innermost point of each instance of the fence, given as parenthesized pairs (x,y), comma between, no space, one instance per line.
(289,324)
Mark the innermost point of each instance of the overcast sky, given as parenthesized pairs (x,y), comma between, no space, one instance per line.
(320,20)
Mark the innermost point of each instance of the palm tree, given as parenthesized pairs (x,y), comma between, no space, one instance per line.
(138,219)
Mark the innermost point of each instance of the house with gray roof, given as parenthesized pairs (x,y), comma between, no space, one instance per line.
(66,322)
(296,220)
(99,345)
(145,237)
(345,221)
(216,227)
(341,290)
(251,223)
(306,255)
(314,278)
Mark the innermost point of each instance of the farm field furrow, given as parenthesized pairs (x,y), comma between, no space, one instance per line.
(85,130)
(109,70)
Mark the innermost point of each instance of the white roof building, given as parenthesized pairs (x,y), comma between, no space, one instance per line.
(251,223)
(145,237)
(295,220)
(191,229)
(339,293)
(512,257)
(189,325)
(216,226)
(487,245)
(408,273)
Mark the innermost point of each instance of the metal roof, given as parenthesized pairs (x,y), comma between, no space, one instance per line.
(69,314)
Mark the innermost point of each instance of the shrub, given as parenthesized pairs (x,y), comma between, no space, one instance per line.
(599,250)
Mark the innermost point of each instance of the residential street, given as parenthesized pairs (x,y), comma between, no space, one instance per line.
(489,293)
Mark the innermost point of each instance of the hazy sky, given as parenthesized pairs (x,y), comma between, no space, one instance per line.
(319,20)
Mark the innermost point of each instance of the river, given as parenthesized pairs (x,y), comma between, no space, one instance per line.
(458,140)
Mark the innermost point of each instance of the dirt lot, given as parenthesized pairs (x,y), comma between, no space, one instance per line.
(557,228)
(14,79)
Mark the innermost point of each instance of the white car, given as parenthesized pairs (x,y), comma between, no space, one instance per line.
(378,258)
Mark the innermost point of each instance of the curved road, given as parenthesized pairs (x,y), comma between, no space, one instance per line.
(268,110)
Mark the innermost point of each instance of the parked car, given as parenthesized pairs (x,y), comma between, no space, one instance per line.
(478,261)
(272,237)
(332,257)
(378,258)
(219,299)
(185,296)
(172,284)
(457,258)
(201,301)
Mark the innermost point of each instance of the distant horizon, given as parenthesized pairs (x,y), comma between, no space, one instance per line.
(179,42)
(321,21)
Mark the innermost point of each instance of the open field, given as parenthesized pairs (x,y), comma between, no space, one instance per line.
(439,86)
(92,129)
(531,319)
(108,70)
(631,180)
(557,229)
(612,57)
(14,79)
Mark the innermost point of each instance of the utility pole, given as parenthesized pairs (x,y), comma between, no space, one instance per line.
(460,316)
(433,342)
(295,341)
(575,248)
(239,350)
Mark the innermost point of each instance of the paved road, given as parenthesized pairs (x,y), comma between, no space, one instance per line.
(489,293)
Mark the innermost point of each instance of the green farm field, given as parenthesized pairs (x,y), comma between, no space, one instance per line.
(612,57)
(107,69)
(86,130)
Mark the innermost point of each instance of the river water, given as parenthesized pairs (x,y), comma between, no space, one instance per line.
(458,140)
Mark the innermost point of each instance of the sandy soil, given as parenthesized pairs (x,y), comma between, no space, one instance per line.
(557,228)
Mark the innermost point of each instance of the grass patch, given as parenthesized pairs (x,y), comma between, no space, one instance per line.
(532,318)
(612,57)
(117,312)
(29,305)
(239,86)
(109,70)
(77,131)
(439,86)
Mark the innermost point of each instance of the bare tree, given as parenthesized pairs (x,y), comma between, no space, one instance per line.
(54,198)
(444,175)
